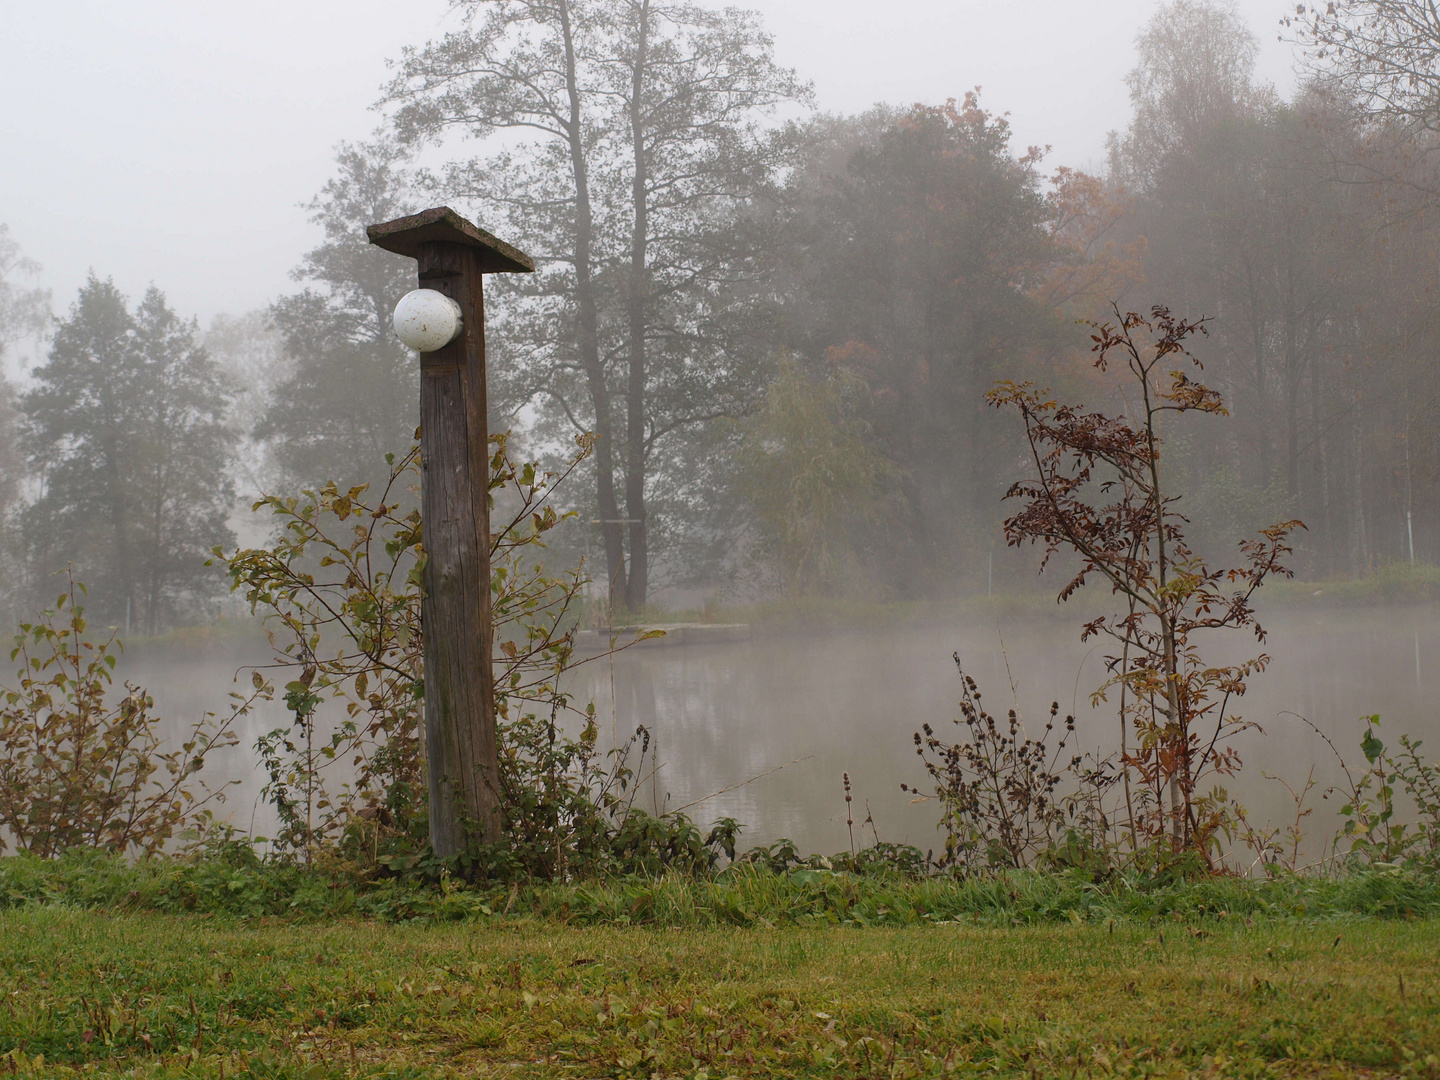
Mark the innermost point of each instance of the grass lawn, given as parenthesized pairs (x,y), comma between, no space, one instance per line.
(164,995)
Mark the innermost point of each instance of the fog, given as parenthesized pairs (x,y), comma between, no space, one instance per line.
(176,144)
(785,258)
(815,705)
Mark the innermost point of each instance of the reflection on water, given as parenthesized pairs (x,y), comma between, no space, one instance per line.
(852,702)
(722,714)
(186,684)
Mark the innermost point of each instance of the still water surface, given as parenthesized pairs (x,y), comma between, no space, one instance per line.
(724,714)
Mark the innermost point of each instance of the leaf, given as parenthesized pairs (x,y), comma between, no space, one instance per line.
(1371,746)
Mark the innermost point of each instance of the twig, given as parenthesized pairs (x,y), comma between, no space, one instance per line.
(736,787)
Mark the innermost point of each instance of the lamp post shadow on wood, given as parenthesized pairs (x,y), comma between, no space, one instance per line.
(452,255)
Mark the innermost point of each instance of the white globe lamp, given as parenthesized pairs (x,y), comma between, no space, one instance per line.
(427,320)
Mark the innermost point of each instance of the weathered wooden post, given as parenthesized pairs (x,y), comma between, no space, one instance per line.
(452,256)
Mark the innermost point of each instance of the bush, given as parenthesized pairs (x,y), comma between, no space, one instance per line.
(1096,494)
(1378,836)
(340,588)
(227,879)
(79,771)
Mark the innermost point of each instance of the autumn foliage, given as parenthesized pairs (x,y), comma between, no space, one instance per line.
(1098,495)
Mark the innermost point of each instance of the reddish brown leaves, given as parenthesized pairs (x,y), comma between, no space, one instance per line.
(1096,493)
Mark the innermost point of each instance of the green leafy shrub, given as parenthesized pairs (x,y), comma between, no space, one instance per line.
(226,878)
(1373,825)
(811,476)
(340,588)
(78,769)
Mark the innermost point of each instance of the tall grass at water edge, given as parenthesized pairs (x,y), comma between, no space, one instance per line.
(742,895)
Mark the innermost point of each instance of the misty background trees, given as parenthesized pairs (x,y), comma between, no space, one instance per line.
(125,437)
(346,391)
(781,324)
(642,148)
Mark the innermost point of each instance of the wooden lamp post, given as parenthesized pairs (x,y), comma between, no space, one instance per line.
(452,256)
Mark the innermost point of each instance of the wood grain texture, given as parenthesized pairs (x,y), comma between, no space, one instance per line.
(408,235)
(459,674)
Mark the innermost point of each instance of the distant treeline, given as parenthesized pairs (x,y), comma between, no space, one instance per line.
(781,324)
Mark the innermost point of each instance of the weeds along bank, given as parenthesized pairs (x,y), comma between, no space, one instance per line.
(83,766)
(229,880)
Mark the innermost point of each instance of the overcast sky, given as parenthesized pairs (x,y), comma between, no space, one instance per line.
(173,141)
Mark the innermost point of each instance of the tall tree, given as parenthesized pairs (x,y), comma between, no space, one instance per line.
(1382,54)
(1306,230)
(644,117)
(251,350)
(1196,68)
(24,312)
(526,66)
(696,81)
(24,309)
(809,472)
(910,256)
(350,391)
(128,435)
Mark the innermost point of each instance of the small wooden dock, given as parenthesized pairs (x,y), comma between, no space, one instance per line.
(590,642)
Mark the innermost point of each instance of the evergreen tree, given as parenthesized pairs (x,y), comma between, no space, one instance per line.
(352,391)
(128,437)
(24,312)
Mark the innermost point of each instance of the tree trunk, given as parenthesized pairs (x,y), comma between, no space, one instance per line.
(1180,773)
(1179,787)
(1260,406)
(156,554)
(585,301)
(1292,400)
(1361,558)
(1320,502)
(635,385)
(118,522)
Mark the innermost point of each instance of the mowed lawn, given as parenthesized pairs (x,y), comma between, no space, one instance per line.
(153,995)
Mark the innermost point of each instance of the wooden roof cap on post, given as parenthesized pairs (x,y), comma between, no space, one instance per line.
(441,224)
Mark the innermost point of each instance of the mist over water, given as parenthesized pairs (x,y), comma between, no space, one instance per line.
(186,683)
(852,702)
(830,702)
(756,356)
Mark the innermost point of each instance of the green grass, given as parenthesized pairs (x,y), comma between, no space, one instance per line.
(226,967)
(1389,584)
(233,883)
(104,994)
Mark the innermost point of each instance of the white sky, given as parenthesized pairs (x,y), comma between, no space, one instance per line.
(172,141)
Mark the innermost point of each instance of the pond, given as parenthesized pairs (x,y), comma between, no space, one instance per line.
(762,729)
